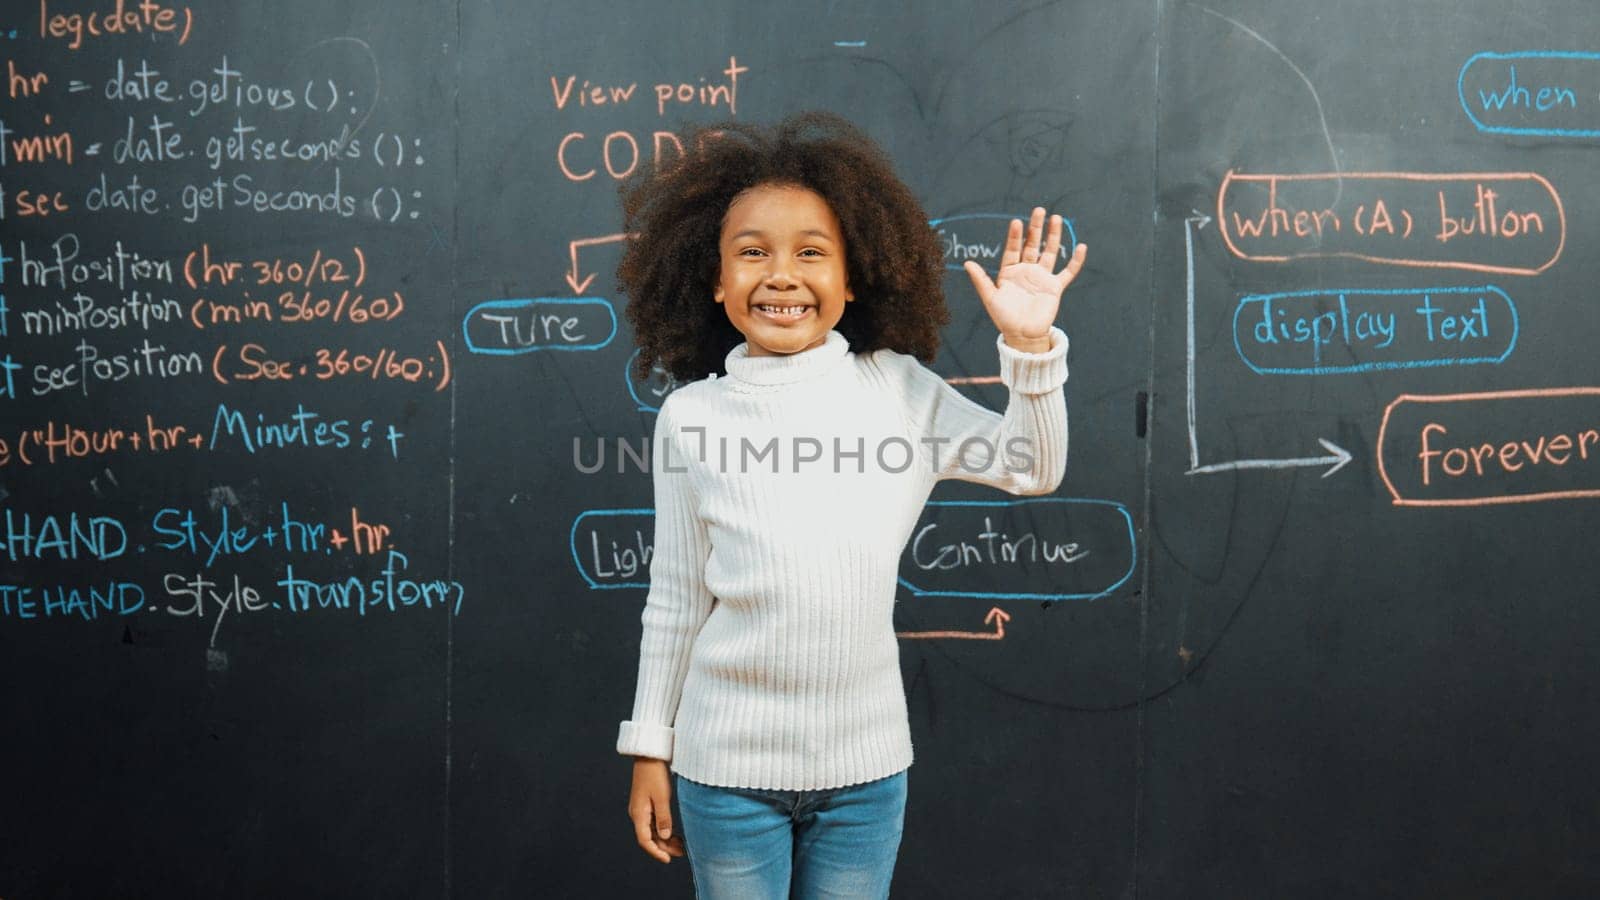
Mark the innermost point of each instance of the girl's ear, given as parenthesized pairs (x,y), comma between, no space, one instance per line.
(717,293)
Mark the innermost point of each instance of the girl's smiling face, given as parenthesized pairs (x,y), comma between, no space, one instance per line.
(782,281)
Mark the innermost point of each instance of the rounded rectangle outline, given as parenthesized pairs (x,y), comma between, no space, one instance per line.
(627,379)
(1382,365)
(1133,551)
(1461,92)
(526,303)
(1561,213)
(1493,499)
(572,545)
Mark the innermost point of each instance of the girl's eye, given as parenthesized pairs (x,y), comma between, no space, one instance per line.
(750,251)
(811,251)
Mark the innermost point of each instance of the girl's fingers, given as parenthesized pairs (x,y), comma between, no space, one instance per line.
(980,279)
(1035,235)
(663,817)
(1052,245)
(1013,251)
(1074,266)
(641,833)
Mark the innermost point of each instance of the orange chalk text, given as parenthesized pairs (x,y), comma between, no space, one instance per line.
(1503,222)
(1491,448)
(23,85)
(124,17)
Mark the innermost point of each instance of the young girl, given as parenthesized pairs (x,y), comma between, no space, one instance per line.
(792,282)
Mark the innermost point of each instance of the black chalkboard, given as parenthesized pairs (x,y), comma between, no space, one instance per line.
(309,338)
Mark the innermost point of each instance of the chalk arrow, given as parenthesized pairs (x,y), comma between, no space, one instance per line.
(579,285)
(997,616)
(1337,457)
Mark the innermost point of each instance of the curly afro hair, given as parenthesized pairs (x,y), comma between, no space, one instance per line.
(893,257)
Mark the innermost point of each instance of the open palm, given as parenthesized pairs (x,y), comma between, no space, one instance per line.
(1024,299)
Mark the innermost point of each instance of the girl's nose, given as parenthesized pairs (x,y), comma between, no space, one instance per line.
(779,276)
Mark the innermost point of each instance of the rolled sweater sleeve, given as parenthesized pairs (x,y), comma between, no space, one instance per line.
(678,601)
(1023,451)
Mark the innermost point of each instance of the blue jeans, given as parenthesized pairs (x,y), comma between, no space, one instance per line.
(750,844)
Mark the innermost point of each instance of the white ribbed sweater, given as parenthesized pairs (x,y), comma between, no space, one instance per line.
(768,657)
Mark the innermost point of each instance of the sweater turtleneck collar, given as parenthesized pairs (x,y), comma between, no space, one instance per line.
(786,368)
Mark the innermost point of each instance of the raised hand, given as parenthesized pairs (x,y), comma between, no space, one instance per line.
(1023,302)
